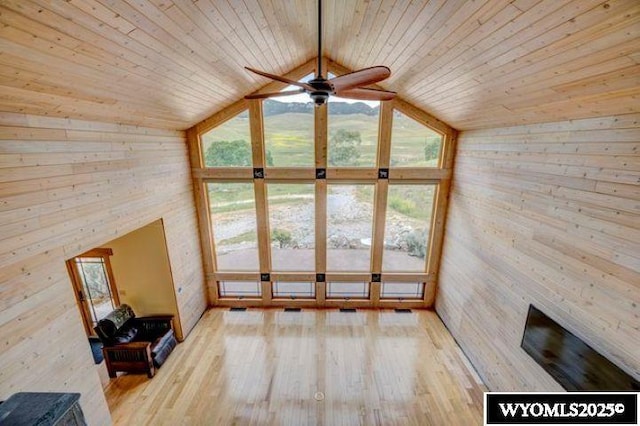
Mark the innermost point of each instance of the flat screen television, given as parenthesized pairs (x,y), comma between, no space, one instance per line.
(573,363)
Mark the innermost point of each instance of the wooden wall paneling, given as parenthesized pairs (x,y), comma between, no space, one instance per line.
(171,64)
(527,224)
(65,209)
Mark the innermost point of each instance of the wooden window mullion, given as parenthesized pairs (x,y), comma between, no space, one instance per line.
(262,210)
(380,202)
(320,143)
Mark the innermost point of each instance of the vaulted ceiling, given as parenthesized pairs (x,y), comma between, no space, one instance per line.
(172,63)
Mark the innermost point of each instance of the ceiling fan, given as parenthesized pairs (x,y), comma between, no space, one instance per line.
(345,86)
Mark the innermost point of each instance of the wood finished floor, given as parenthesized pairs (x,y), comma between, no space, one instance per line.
(265,366)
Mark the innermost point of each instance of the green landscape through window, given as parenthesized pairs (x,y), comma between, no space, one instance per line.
(233,218)
(229,144)
(288,133)
(413,144)
(352,133)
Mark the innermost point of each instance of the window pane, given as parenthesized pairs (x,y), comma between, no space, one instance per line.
(239,288)
(288,133)
(233,219)
(391,290)
(352,133)
(349,227)
(341,290)
(292,226)
(229,144)
(93,274)
(408,221)
(412,144)
(294,289)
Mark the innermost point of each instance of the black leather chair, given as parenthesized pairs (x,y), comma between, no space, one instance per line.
(135,345)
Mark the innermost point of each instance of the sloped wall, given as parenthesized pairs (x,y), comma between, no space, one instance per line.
(546,214)
(67,186)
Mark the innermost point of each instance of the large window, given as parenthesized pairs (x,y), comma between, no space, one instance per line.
(292,226)
(413,144)
(94,286)
(349,227)
(337,204)
(288,133)
(228,145)
(408,222)
(353,133)
(233,217)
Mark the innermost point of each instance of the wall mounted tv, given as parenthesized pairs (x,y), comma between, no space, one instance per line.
(573,363)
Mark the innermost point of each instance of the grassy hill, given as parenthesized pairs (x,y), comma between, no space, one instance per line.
(289,138)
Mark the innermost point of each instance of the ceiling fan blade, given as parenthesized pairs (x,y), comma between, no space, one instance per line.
(366,94)
(280,78)
(362,77)
(274,94)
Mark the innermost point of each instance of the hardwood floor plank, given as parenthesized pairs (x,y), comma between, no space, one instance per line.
(265,367)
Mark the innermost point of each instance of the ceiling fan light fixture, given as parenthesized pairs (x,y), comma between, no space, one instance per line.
(319,98)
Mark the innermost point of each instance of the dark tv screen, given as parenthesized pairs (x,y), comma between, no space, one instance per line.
(573,363)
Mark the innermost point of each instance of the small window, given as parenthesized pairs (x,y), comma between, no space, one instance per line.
(413,144)
(229,144)
(94,285)
(347,290)
(297,290)
(239,289)
(395,290)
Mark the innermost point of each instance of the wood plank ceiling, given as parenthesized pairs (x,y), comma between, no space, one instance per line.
(170,64)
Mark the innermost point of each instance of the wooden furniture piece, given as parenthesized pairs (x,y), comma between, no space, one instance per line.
(42,409)
(135,345)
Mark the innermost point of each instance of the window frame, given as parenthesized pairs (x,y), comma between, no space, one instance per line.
(440,176)
(83,300)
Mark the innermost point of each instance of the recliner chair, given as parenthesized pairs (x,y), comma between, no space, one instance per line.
(137,345)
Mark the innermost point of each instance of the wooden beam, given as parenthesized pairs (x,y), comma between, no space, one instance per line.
(320,136)
(234,174)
